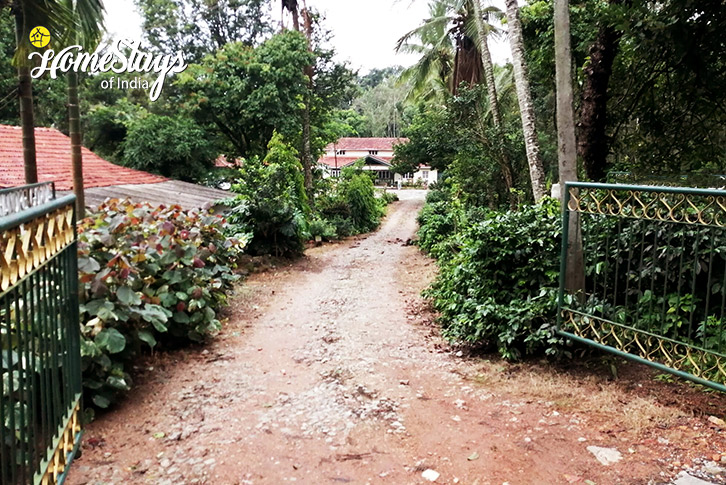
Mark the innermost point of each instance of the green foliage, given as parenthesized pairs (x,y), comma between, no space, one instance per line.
(149,277)
(175,147)
(357,188)
(249,93)
(200,27)
(665,94)
(271,205)
(498,281)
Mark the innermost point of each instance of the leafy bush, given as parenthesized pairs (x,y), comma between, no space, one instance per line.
(271,205)
(149,276)
(499,287)
(358,191)
(388,197)
(322,230)
(349,203)
(175,147)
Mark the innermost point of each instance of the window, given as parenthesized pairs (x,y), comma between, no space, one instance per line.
(372,152)
(408,176)
(425,174)
(341,152)
(335,172)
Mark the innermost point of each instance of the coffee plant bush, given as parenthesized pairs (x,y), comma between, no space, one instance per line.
(497,286)
(150,277)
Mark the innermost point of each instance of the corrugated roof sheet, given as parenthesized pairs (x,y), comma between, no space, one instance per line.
(170,192)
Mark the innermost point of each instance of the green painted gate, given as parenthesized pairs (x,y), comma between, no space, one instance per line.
(39,336)
(655,276)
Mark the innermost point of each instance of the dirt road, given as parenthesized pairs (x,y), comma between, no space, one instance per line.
(329,371)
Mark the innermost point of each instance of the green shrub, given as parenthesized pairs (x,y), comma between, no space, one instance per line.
(271,205)
(358,191)
(175,147)
(499,287)
(149,276)
(322,230)
(388,197)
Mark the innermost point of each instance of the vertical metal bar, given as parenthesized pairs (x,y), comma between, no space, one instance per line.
(19,351)
(640,276)
(696,267)
(617,262)
(665,277)
(630,259)
(707,308)
(47,350)
(654,256)
(4,437)
(35,412)
(53,321)
(11,398)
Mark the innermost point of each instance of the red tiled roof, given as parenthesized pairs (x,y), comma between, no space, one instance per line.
(53,155)
(343,160)
(385,144)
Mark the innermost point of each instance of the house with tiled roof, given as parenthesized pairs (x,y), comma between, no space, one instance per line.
(101,179)
(377,155)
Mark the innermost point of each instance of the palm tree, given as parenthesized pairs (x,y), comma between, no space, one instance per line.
(524,96)
(449,46)
(28,14)
(430,78)
(86,31)
(69,21)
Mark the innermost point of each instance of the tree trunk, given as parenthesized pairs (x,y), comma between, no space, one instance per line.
(593,145)
(25,95)
(486,61)
(566,149)
(74,128)
(524,97)
(307,157)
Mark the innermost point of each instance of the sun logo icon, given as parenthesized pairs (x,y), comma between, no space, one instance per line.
(39,36)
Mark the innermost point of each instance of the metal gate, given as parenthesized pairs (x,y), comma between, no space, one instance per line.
(39,336)
(655,276)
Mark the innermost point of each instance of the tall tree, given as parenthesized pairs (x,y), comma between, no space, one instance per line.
(57,18)
(86,30)
(200,27)
(524,96)
(306,154)
(566,153)
(25,96)
(483,28)
(593,145)
(448,45)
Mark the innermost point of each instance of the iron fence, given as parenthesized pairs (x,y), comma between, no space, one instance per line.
(655,276)
(39,343)
(16,199)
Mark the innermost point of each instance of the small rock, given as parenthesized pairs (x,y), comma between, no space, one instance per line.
(460,354)
(713,469)
(473,456)
(165,463)
(430,475)
(717,422)
(456,418)
(403,382)
(684,478)
(606,456)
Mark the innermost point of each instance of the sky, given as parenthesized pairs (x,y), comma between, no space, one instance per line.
(364,33)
